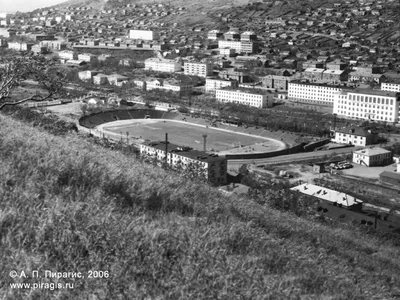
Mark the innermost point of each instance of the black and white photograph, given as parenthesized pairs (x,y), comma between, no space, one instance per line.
(199,150)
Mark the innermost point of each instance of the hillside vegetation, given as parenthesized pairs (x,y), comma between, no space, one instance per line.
(67,205)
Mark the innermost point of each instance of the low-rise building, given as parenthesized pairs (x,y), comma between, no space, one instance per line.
(66,55)
(162,65)
(100,79)
(211,166)
(390,177)
(313,73)
(88,57)
(117,79)
(213,84)
(276,82)
(368,104)
(335,75)
(20,46)
(86,75)
(356,136)
(198,69)
(371,157)
(330,196)
(177,86)
(250,97)
(240,75)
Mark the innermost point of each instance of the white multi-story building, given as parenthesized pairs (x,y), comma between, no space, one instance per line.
(162,65)
(147,35)
(214,34)
(390,86)
(315,93)
(250,97)
(239,46)
(198,69)
(211,166)
(368,104)
(372,157)
(213,84)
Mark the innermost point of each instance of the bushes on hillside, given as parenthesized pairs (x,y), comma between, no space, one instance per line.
(50,123)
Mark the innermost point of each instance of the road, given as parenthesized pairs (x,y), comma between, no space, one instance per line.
(291,157)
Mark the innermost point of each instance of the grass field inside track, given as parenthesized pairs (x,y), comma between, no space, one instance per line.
(189,134)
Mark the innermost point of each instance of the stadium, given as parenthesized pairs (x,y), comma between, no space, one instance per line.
(140,125)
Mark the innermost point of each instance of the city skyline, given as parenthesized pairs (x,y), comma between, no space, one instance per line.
(12,6)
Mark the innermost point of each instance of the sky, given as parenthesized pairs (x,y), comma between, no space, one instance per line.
(12,6)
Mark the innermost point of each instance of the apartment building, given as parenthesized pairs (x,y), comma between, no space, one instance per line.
(250,97)
(212,166)
(147,35)
(214,34)
(390,86)
(213,84)
(162,65)
(316,93)
(313,73)
(248,36)
(231,35)
(276,82)
(368,104)
(19,46)
(372,157)
(198,69)
(239,46)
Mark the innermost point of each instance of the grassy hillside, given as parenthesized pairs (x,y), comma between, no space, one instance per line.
(67,205)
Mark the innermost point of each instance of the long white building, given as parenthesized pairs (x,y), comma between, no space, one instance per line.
(390,86)
(323,94)
(212,166)
(198,69)
(147,35)
(368,104)
(162,65)
(250,97)
(239,46)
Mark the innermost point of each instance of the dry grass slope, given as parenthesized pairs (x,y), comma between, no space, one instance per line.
(67,205)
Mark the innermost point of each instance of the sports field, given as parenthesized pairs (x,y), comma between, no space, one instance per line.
(188,134)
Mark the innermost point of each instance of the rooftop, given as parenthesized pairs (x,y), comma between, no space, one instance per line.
(373,92)
(327,194)
(390,175)
(372,151)
(355,131)
(314,70)
(244,90)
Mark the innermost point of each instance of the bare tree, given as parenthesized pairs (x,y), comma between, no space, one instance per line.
(15,69)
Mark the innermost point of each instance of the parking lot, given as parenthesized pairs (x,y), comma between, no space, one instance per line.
(368,172)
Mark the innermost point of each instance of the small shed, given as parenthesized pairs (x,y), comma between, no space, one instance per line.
(319,168)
